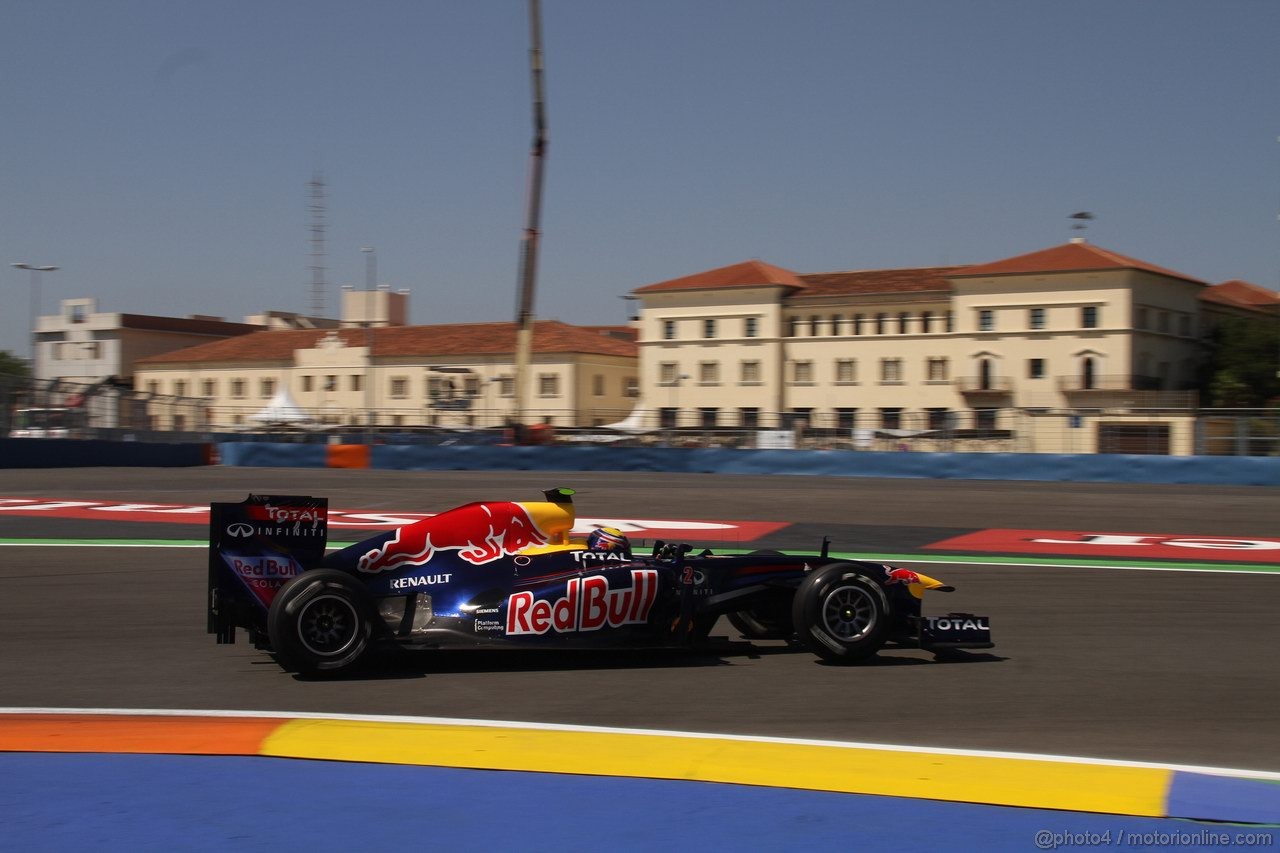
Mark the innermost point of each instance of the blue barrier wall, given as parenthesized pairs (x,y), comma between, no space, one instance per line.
(76,453)
(254,454)
(1110,468)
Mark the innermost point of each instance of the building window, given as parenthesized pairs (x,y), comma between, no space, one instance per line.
(708,416)
(1140,319)
(802,372)
(667,372)
(237,389)
(209,388)
(937,369)
(950,321)
(857,323)
(357,382)
(1184,326)
(798,418)
(750,327)
(1089,317)
(1035,368)
(793,326)
(880,321)
(890,370)
(813,327)
(597,386)
(984,419)
(986,320)
(846,418)
(1164,321)
(630,387)
(938,418)
(836,320)
(668,330)
(399,388)
(667,418)
(153,387)
(77,313)
(436,387)
(506,386)
(709,373)
(708,328)
(749,418)
(307,383)
(548,385)
(846,370)
(926,321)
(266,387)
(750,373)
(180,388)
(903,319)
(891,418)
(1036,318)
(471,385)
(331,383)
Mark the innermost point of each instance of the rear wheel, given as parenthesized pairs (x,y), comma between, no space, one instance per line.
(319,622)
(840,614)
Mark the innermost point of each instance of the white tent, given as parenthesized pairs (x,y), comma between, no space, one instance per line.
(282,410)
(635,423)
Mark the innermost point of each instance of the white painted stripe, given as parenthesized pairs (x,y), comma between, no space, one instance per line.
(1263,569)
(1267,775)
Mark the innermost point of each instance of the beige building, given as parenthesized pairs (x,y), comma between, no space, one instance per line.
(85,345)
(402,376)
(976,352)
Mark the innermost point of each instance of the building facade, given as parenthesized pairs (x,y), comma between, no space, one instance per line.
(944,350)
(458,375)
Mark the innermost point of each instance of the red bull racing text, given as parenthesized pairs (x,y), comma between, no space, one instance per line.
(588,604)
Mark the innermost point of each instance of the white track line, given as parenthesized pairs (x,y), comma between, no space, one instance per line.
(1267,775)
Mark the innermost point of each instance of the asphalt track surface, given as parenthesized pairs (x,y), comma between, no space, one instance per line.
(1150,666)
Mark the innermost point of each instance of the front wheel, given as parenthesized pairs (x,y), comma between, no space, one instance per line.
(840,614)
(319,622)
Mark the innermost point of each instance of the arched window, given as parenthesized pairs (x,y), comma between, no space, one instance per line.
(1087,377)
(984,374)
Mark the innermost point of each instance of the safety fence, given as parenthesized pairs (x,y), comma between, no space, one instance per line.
(105,410)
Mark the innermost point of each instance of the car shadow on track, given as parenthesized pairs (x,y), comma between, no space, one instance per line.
(395,664)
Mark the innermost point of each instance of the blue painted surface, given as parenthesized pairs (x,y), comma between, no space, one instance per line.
(163,803)
(1240,800)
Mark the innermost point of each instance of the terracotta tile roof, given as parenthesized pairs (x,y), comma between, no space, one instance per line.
(458,339)
(1241,294)
(1069,257)
(877,281)
(751,273)
(626,333)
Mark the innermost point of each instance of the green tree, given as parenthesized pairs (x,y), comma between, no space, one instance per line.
(1244,364)
(11,365)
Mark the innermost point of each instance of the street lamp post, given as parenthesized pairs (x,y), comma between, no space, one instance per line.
(35,271)
(370,285)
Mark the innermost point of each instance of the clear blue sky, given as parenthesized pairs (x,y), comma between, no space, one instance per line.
(159,151)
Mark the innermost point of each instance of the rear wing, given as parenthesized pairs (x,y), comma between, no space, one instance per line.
(255,547)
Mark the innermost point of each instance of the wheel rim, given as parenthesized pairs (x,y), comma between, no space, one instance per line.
(849,613)
(328,625)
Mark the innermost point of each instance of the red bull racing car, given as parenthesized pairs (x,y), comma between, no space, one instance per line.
(508,573)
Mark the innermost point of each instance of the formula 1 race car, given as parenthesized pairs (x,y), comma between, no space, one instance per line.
(507,573)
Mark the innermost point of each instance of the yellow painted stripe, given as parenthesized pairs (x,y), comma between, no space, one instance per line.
(933,776)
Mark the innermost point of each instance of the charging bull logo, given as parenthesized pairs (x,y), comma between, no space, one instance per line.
(479,532)
(901,576)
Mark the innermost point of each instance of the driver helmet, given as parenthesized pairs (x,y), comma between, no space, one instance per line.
(608,539)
